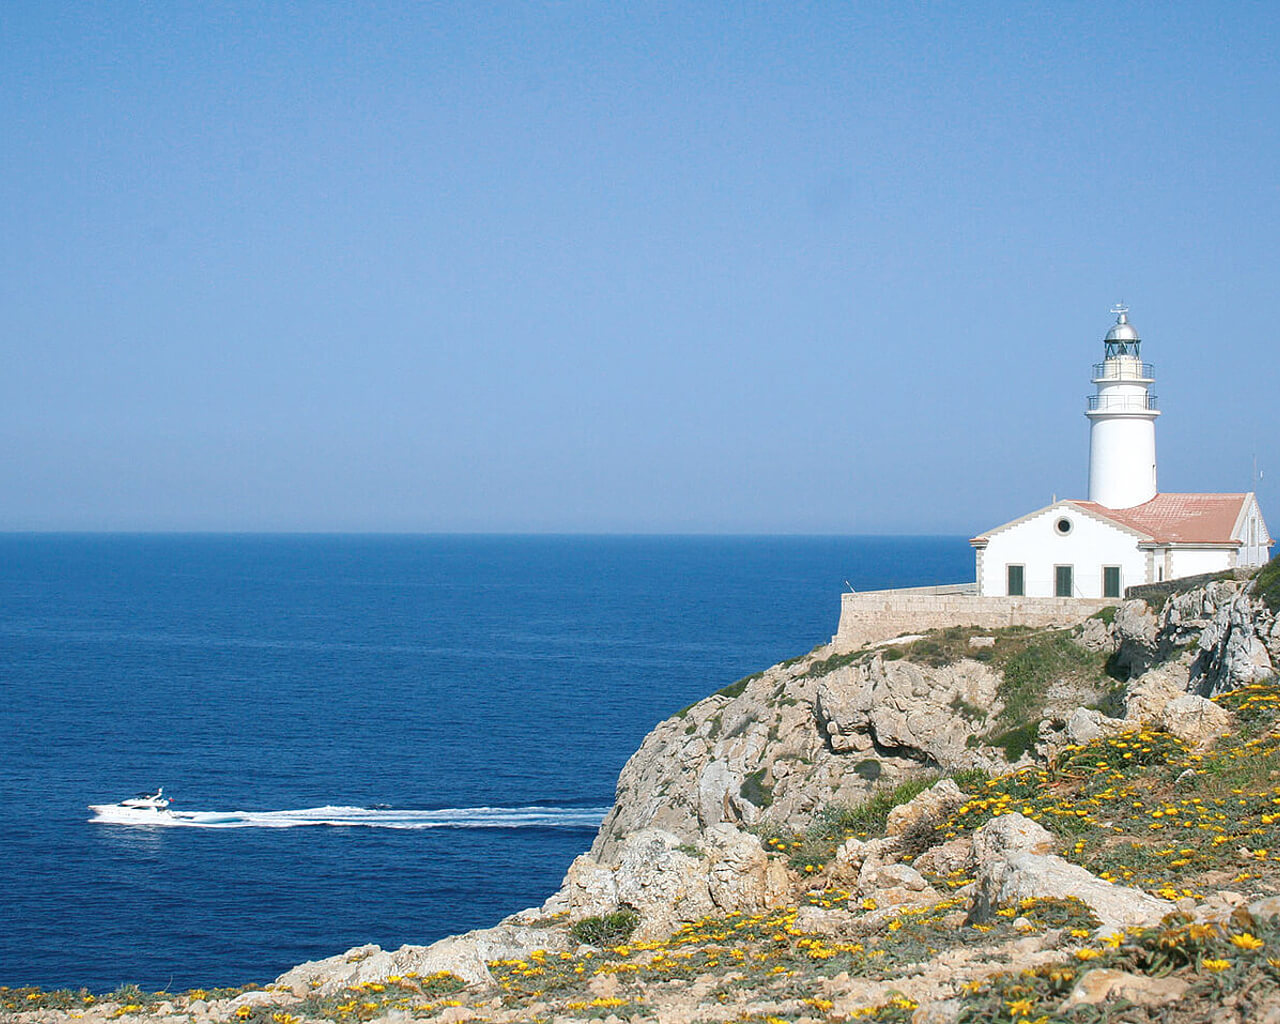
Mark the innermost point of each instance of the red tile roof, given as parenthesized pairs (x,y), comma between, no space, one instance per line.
(1178,518)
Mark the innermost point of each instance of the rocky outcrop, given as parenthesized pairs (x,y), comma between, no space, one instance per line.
(906,709)
(1233,645)
(778,747)
(669,883)
(1014,863)
(463,955)
(1194,720)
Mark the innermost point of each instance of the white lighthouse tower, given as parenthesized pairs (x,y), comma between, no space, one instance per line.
(1122,421)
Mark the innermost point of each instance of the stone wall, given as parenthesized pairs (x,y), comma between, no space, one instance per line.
(867,618)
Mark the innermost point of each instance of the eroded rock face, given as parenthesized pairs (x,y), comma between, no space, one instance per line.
(905,708)
(1233,645)
(794,740)
(669,883)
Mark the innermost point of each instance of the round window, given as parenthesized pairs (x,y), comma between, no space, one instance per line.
(1063,526)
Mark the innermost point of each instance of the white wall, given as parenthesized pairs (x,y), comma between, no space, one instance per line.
(1194,561)
(1036,544)
(1254,529)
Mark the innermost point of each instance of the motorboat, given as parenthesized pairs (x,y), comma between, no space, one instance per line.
(144,808)
(156,801)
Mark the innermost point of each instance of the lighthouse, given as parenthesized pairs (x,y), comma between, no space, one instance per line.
(1122,421)
(1126,533)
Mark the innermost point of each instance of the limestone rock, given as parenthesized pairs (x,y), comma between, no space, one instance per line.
(1009,834)
(1096,635)
(905,707)
(1194,720)
(823,921)
(1149,694)
(1085,725)
(780,746)
(464,955)
(1233,646)
(1104,985)
(890,876)
(949,858)
(1134,631)
(932,807)
(667,885)
(1013,865)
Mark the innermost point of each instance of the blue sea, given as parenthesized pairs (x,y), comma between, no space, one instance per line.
(457,708)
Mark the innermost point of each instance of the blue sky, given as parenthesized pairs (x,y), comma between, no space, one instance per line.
(643,268)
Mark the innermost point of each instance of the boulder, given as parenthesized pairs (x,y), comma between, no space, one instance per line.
(932,807)
(1084,725)
(1150,692)
(1009,834)
(949,858)
(873,877)
(1104,985)
(1194,720)
(667,883)
(1013,864)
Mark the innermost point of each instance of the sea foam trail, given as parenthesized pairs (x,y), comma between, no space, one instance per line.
(364,817)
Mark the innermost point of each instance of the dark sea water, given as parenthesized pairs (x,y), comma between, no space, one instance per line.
(261,674)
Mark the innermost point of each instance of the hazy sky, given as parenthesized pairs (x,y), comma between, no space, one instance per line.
(646,267)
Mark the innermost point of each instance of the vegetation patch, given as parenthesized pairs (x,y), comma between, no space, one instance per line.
(755,790)
(810,850)
(1030,665)
(606,929)
(1221,964)
(1266,585)
(1015,742)
(736,689)
(829,665)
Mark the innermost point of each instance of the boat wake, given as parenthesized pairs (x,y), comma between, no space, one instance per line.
(584,818)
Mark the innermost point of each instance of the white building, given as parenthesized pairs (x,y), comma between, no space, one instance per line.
(1127,532)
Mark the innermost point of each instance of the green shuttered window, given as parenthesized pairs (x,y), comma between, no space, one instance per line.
(1063,581)
(1017,586)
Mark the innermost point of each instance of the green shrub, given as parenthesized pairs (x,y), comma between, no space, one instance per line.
(735,689)
(872,815)
(1107,614)
(754,789)
(1266,585)
(970,778)
(1016,741)
(868,770)
(606,929)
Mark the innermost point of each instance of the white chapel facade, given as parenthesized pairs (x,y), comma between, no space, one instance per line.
(1127,532)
